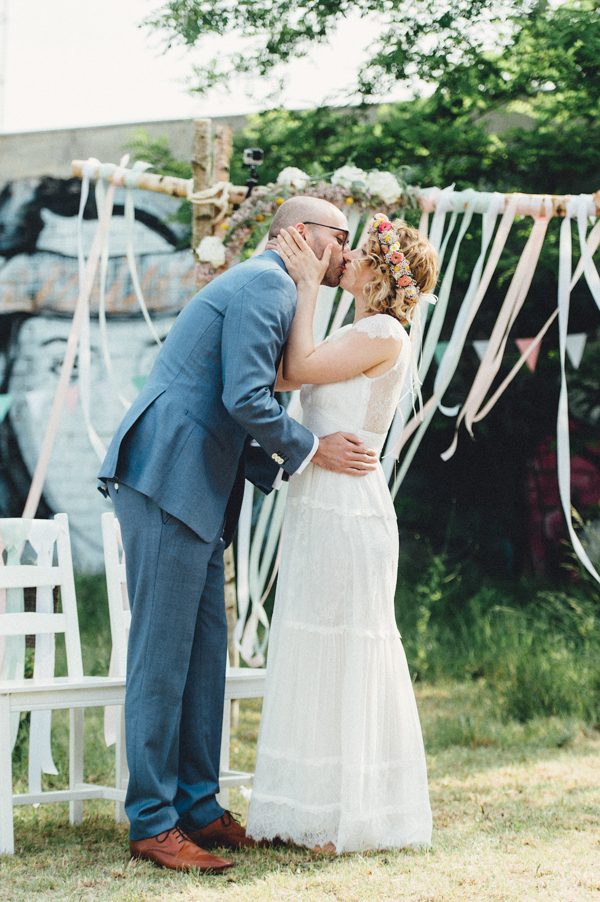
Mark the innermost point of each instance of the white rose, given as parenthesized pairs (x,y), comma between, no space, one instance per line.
(347,175)
(385,186)
(293,177)
(211,250)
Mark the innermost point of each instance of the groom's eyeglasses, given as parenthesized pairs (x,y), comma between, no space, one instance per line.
(334,228)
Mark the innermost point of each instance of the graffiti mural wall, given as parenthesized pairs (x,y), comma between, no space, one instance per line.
(38,291)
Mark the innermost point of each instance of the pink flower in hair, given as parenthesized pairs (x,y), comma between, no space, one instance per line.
(396,257)
(385,226)
(405,281)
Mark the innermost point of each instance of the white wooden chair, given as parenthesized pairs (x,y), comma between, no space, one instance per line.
(241,682)
(36,555)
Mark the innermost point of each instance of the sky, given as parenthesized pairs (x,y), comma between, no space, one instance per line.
(70,63)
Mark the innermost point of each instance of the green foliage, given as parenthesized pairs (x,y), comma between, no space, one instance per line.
(537,650)
(417,40)
(526,120)
(157,152)
(429,592)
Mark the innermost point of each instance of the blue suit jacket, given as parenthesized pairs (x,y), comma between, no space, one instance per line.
(184,442)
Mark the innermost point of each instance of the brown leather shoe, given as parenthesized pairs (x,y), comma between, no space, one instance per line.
(173,849)
(224,831)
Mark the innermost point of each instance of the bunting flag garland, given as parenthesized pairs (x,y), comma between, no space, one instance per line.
(480,348)
(139,381)
(5,405)
(575,347)
(523,345)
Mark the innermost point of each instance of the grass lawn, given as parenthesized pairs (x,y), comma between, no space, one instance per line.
(516,816)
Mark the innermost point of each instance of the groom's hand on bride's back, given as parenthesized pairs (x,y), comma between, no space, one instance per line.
(343,452)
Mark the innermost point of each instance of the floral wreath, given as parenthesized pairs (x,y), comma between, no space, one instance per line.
(236,237)
(389,242)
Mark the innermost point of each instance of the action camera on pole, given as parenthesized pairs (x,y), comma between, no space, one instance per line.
(253,157)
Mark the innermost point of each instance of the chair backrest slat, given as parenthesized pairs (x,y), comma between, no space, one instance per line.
(45,539)
(28,576)
(116,587)
(30,624)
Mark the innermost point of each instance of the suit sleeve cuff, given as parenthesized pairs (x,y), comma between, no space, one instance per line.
(308,458)
(278,482)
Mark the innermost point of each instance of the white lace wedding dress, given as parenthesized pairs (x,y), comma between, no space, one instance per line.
(340,756)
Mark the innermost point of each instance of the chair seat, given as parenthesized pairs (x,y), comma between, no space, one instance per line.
(84,692)
(245,682)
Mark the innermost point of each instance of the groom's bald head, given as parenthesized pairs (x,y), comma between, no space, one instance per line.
(301,209)
(321,224)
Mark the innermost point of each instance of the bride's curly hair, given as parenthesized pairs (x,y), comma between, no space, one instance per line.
(383,294)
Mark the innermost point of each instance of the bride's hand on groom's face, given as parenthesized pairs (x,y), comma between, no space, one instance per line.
(301,262)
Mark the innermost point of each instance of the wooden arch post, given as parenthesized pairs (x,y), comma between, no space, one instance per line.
(211,157)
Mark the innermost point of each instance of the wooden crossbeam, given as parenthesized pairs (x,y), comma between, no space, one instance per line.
(150,181)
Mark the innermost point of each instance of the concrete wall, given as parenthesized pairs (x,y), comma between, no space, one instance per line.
(30,154)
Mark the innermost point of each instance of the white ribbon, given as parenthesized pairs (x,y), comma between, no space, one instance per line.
(84,353)
(39,476)
(562,423)
(242,562)
(102,325)
(131,177)
(401,431)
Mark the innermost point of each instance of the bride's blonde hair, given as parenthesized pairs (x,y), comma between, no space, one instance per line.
(383,293)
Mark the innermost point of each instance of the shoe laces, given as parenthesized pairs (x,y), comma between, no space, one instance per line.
(229,817)
(176,831)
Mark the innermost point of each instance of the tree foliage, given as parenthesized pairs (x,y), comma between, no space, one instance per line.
(512,106)
(418,38)
(525,119)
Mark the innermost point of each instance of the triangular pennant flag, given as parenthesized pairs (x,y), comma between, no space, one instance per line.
(480,348)
(440,350)
(575,347)
(532,359)
(5,402)
(139,381)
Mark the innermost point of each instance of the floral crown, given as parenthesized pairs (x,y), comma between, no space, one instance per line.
(389,243)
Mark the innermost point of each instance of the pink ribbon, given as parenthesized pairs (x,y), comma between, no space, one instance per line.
(41,469)
(512,304)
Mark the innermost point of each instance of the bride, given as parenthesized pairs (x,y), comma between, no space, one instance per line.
(340,759)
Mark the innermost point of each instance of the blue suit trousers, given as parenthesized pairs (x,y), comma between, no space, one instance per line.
(176,663)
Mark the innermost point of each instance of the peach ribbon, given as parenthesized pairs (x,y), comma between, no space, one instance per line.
(513,302)
(91,265)
(478,285)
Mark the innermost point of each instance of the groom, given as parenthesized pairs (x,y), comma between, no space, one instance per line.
(175,473)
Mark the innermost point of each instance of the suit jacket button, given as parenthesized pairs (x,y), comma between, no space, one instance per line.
(277,458)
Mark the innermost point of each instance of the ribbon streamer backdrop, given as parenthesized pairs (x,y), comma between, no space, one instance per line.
(453,216)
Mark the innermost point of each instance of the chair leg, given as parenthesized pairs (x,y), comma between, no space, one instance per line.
(7,837)
(121,769)
(223,796)
(75,762)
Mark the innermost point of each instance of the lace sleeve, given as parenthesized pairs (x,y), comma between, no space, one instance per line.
(380,325)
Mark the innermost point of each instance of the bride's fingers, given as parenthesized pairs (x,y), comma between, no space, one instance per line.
(283,247)
(296,246)
(298,240)
(284,241)
(326,258)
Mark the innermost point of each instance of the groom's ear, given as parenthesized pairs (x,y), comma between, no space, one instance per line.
(300,227)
